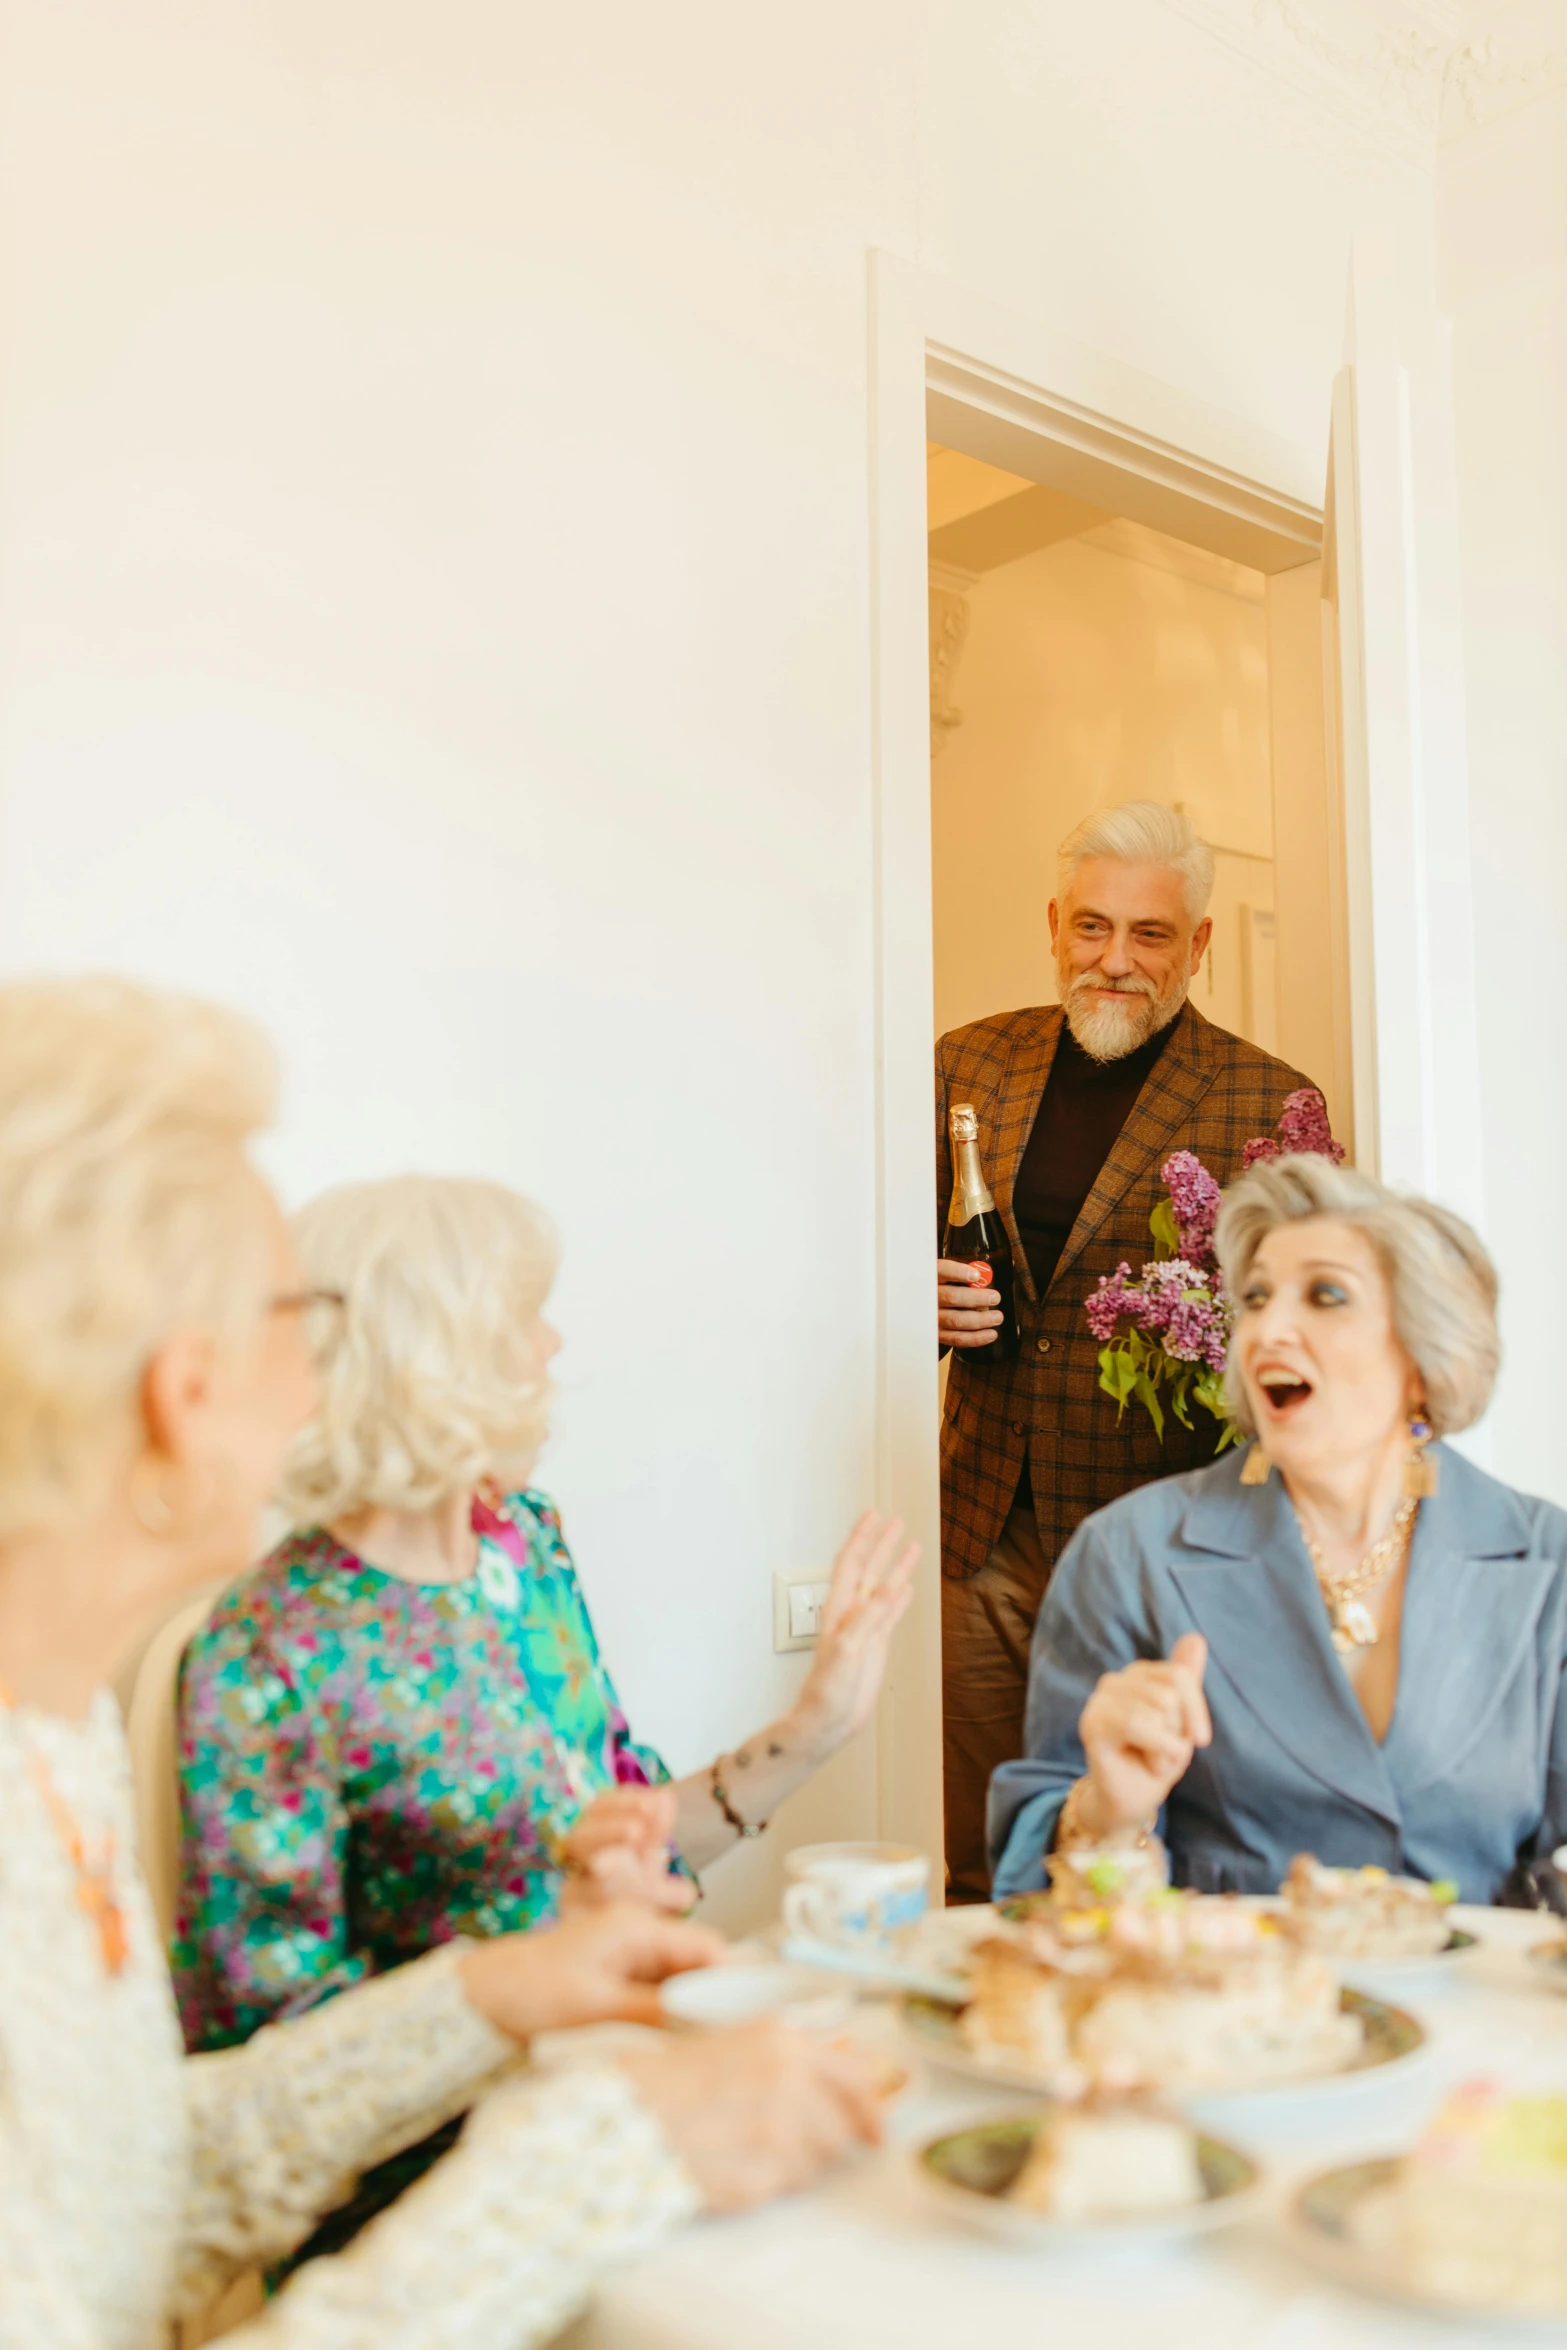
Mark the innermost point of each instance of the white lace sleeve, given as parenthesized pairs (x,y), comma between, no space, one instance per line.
(557,2178)
(40,2274)
(282,2128)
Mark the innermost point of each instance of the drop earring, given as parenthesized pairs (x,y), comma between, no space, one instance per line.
(1422,1477)
(1256,1469)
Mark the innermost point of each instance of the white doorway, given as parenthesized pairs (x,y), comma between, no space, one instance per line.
(1079,658)
(1370,824)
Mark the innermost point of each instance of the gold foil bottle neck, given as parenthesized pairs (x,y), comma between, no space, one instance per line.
(970,1192)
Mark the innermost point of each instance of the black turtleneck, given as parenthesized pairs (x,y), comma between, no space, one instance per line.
(1086,1103)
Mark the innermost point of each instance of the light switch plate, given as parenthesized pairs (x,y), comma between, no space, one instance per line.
(798,1599)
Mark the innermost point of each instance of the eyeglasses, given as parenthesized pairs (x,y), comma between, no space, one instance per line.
(321,1313)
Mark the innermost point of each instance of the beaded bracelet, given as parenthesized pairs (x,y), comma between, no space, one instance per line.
(745,1828)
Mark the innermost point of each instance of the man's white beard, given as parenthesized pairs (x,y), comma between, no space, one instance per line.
(1108,1030)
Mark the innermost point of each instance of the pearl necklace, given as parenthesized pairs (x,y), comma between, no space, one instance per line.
(1353,1624)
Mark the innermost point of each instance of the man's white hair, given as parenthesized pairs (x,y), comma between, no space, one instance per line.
(1140,832)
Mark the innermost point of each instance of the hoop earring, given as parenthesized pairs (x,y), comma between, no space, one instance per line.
(150,1505)
(1422,1477)
(1256,1469)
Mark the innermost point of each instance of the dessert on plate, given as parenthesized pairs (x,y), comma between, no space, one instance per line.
(1120,1984)
(1365,1913)
(1096,2162)
(1478,2214)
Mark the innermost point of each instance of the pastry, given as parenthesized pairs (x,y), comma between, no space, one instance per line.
(1107,2162)
(1479,2213)
(1162,1990)
(1365,1913)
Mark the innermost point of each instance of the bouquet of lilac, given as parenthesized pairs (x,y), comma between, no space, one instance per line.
(1165,1336)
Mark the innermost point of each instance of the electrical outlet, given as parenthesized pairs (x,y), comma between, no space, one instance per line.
(798,1600)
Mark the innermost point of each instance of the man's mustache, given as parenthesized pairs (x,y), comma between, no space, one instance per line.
(1088,982)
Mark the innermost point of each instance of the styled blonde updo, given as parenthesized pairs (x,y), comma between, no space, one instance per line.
(1440,1278)
(128,1210)
(429,1382)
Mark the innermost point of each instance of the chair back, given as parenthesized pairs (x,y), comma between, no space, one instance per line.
(155,1757)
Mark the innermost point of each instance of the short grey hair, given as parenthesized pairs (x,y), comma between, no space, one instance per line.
(429,1383)
(1141,832)
(1440,1277)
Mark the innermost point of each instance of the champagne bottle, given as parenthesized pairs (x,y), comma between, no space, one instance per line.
(977,1236)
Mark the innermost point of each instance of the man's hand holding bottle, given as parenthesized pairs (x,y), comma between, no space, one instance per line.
(968,1311)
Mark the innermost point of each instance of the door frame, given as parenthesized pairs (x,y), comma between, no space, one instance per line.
(1037,403)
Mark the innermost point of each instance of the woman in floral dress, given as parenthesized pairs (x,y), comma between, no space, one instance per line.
(398,1728)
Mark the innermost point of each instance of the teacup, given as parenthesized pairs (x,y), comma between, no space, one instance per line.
(854,1896)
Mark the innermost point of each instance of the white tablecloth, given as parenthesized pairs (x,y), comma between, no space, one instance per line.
(869,2262)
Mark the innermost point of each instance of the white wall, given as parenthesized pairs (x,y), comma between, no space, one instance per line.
(433,612)
(1503,249)
(1089,676)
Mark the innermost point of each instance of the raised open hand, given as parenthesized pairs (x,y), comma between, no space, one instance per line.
(872,1584)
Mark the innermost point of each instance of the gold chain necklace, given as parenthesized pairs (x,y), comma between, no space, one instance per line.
(95,1890)
(1353,1624)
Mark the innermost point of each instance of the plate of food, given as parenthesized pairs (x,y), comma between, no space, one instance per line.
(1100,2172)
(1369,1920)
(1117,1983)
(1472,2224)
(1351,2035)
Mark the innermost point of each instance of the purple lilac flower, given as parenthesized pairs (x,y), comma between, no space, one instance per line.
(1194,1195)
(1261,1147)
(1196,1332)
(1164,1284)
(1303,1125)
(1115,1296)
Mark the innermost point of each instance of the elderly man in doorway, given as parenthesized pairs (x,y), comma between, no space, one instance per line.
(1080,1103)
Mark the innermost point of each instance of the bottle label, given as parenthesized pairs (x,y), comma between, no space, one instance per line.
(981,1276)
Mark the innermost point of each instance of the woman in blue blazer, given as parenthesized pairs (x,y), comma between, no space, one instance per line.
(1347,1641)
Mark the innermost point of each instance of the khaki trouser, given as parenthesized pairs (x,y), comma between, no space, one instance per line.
(987,1625)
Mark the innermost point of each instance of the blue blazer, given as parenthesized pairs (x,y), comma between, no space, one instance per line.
(1472,1776)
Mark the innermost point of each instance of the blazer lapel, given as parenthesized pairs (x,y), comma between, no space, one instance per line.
(1471,1604)
(1253,1596)
(1029,1065)
(1160,1115)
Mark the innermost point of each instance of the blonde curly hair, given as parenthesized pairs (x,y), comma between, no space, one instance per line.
(429,1379)
(128,1210)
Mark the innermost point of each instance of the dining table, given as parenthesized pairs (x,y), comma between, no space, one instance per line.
(872,2258)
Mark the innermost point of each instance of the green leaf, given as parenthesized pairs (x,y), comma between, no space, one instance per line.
(1148,1397)
(1117,1375)
(1167,1238)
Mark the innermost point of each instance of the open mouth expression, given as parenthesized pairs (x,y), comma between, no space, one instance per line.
(1282,1390)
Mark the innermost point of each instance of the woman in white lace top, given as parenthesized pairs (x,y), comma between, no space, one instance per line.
(151,1373)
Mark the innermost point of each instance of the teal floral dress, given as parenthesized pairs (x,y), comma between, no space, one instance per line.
(370,1766)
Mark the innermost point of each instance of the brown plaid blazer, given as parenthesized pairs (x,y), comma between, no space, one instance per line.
(1209,1092)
